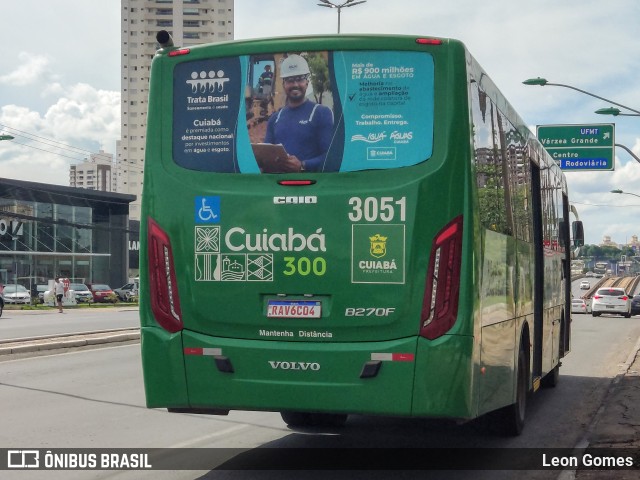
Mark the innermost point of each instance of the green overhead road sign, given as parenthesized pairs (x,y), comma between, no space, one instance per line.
(580,147)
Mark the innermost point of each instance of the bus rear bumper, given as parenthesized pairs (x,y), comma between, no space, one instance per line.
(365,377)
(377,378)
(231,374)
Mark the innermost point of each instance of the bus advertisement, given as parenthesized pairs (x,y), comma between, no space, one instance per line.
(351,224)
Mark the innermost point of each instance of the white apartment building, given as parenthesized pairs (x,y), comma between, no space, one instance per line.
(97,173)
(190,22)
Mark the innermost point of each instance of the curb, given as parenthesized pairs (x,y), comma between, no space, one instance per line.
(68,341)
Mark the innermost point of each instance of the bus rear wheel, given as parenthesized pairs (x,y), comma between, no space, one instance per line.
(312,419)
(511,418)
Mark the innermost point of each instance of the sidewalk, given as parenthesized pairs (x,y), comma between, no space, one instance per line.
(619,423)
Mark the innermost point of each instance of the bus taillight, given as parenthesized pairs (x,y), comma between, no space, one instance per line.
(428,41)
(440,303)
(165,302)
(180,51)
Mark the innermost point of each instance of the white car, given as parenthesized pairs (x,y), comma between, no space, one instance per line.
(16,294)
(579,305)
(82,293)
(611,300)
(584,285)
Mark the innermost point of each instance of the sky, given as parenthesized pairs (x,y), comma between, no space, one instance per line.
(60,76)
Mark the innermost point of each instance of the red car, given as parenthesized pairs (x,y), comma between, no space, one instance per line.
(102,293)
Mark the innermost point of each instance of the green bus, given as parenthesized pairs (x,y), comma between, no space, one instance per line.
(351,224)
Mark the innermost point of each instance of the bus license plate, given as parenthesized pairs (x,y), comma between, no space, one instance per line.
(293,309)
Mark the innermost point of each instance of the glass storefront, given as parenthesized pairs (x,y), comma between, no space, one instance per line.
(48,231)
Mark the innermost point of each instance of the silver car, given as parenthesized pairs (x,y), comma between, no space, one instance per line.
(16,294)
(579,305)
(611,300)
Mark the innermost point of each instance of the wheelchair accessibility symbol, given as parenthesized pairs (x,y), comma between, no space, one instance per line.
(207,209)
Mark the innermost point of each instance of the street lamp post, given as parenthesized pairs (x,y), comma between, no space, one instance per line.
(6,137)
(543,82)
(628,150)
(624,193)
(615,112)
(348,3)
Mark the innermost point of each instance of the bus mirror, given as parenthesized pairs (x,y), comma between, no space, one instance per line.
(578,233)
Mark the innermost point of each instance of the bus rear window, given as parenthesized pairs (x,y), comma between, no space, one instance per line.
(326,111)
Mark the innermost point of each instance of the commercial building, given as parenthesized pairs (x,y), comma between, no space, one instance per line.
(190,22)
(50,230)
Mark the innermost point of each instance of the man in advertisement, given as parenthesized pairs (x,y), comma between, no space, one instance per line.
(303,127)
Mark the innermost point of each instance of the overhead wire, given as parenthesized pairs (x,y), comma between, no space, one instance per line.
(603,205)
(49,142)
(48,151)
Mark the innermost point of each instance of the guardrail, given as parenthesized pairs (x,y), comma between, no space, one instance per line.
(630,285)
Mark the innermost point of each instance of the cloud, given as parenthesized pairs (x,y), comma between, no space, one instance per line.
(82,121)
(33,68)
(85,113)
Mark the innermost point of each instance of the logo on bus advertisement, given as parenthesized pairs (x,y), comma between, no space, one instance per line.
(239,255)
(378,246)
(378,253)
(207,82)
(378,153)
(205,98)
(213,265)
(370,138)
(238,239)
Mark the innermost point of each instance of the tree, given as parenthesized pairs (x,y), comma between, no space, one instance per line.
(319,75)
(603,253)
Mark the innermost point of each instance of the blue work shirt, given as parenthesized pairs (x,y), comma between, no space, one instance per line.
(305,131)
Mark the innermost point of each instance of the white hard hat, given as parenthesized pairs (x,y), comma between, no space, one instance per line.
(294,65)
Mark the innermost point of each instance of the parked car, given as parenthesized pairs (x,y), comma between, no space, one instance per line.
(580,305)
(635,305)
(102,293)
(81,292)
(584,285)
(611,300)
(16,294)
(39,292)
(125,292)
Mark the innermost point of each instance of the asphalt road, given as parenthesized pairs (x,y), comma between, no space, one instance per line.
(15,324)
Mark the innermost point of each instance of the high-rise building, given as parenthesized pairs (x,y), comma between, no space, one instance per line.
(190,22)
(97,173)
